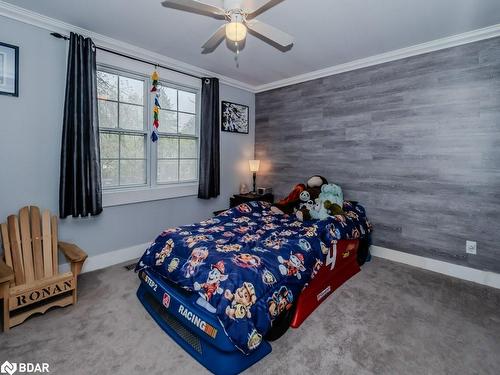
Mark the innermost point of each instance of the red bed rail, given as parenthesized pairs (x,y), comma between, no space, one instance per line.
(340,265)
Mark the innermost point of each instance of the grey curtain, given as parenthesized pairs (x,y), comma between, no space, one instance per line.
(209,184)
(80,174)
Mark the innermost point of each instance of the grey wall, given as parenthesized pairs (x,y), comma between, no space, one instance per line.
(416,141)
(30,136)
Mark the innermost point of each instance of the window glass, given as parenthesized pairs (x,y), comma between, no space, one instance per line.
(108,114)
(187,169)
(125,125)
(168,171)
(187,102)
(132,172)
(187,123)
(188,148)
(131,117)
(107,86)
(109,146)
(168,121)
(168,98)
(131,90)
(109,173)
(132,146)
(168,148)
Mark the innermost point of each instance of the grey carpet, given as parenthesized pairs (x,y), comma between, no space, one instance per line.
(388,319)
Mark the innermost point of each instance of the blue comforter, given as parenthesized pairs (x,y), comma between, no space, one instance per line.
(248,264)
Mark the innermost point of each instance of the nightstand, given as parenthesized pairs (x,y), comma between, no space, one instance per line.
(243,198)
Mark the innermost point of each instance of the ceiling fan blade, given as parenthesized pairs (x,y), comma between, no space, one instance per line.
(194,6)
(255,7)
(270,32)
(214,41)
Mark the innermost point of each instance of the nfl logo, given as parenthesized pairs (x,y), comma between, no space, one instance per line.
(166,300)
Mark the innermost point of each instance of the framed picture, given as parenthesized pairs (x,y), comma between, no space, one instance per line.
(9,69)
(234,118)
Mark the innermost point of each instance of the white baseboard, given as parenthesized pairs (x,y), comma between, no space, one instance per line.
(487,278)
(454,270)
(96,262)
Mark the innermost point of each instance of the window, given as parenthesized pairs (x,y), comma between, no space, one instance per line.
(123,130)
(178,142)
(128,157)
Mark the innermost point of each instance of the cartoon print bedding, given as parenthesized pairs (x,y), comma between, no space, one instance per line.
(248,264)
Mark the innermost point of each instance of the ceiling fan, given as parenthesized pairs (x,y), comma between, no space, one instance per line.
(239,16)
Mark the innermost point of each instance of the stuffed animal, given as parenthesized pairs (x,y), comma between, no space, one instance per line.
(288,204)
(306,205)
(333,198)
(309,196)
(297,198)
(329,202)
(318,211)
(316,181)
(313,188)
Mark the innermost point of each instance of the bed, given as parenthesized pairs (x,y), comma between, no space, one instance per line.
(220,287)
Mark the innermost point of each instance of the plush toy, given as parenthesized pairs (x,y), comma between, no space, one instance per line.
(309,196)
(333,197)
(300,196)
(307,199)
(329,202)
(318,211)
(313,188)
(316,181)
(288,204)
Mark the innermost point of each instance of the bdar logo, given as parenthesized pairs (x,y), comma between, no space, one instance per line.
(8,368)
(23,367)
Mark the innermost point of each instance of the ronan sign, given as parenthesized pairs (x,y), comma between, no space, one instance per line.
(37,294)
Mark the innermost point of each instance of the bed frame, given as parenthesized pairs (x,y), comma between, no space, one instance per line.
(341,264)
(200,333)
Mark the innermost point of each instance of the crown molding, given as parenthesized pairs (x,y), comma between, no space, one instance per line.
(419,49)
(36,19)
(51,24)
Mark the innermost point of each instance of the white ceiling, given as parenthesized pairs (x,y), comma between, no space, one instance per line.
(327,32)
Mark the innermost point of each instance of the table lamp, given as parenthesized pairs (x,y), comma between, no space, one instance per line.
(254,168)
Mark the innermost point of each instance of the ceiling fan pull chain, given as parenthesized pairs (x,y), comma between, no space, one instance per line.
(236,54)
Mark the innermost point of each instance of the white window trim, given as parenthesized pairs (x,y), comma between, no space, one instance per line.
(120,197)
(123,196)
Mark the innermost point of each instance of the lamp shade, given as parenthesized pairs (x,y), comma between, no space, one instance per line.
(236,31)
(254,165)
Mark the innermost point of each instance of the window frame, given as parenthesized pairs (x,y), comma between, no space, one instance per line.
(121,131)
(196,136)
(153,189)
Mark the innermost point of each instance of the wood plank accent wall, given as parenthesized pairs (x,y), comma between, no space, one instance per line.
(416,141)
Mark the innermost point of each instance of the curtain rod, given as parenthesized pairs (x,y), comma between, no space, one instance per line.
(60,36)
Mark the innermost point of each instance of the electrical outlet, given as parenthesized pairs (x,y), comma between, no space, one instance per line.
(471,247)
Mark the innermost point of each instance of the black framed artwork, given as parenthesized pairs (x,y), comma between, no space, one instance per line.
(234,118)
(9,69)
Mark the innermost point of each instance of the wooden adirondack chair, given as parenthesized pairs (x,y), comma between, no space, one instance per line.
(30,281)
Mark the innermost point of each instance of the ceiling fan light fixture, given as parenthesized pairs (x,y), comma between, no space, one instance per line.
(239,16)
(236,31)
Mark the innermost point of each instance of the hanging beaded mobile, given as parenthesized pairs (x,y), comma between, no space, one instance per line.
(155,78)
